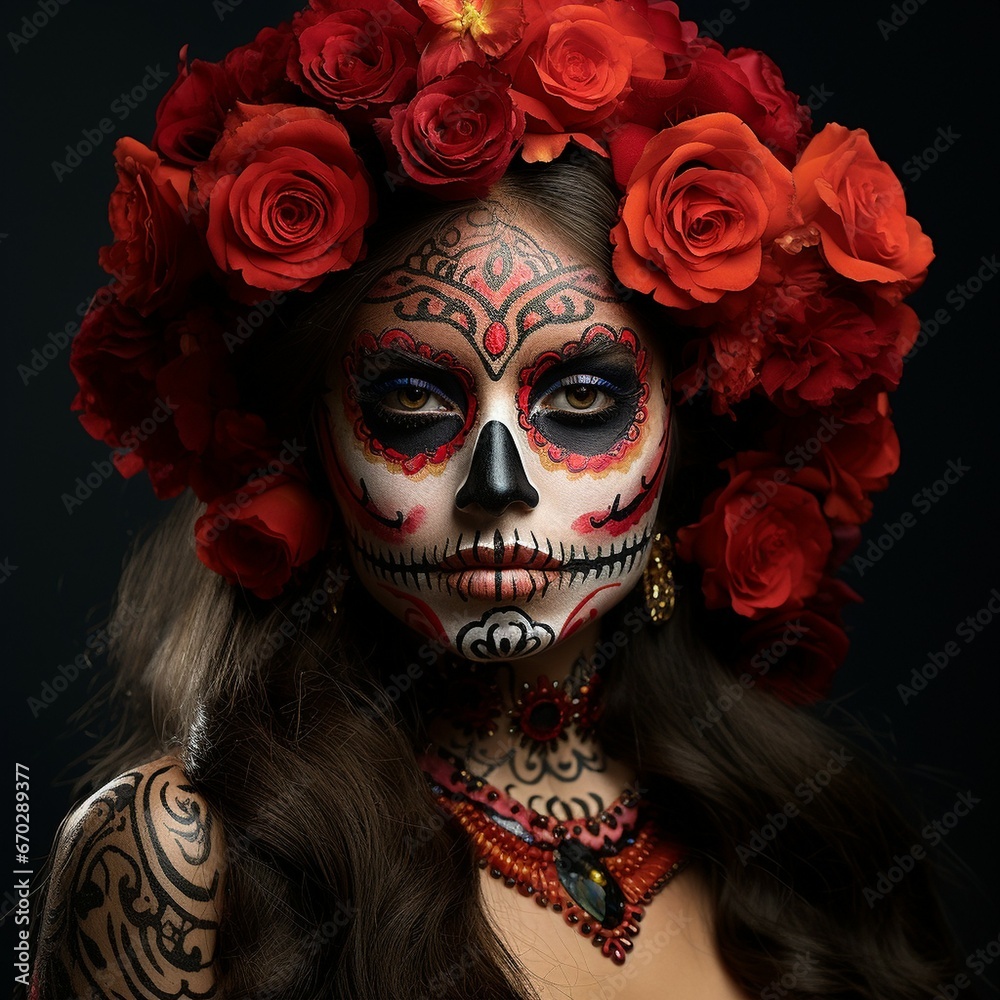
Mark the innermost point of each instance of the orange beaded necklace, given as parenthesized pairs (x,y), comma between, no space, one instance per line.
(598,872)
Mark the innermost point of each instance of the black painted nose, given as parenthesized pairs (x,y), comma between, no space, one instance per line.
(496,479)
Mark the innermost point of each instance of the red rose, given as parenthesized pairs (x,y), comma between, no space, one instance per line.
(198,379)
(857,204)
(257,71)
(701,80)
(572,67)
(355,57)
(240,444)
(836,348)
(795,655)
(702,202)
(288,199)
(115,358)
(844,456)
(156,253)
(761,542)
(189,119)
(728,359)
(458,135)
(788,123)
(258,535)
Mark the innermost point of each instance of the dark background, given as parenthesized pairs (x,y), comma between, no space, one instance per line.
(931,78)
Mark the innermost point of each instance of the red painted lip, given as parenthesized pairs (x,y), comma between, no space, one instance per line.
(514,556)
(501,583)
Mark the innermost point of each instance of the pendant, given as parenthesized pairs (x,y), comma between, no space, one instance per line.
(589,883)
(599,873)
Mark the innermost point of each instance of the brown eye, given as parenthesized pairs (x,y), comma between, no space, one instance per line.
(586,395)
(411,397)
(581,397)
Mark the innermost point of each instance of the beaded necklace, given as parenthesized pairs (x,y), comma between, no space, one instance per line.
(599,872)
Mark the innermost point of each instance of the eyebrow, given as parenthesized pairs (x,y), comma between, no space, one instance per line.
(600,348)
(384,358)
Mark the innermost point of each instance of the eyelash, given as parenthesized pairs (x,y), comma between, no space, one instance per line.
(616,397)
(377,393)
(417,383)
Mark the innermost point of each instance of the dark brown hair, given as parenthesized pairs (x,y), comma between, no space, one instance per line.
(344,879)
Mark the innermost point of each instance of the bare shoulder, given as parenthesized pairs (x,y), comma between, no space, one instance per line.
(135,893)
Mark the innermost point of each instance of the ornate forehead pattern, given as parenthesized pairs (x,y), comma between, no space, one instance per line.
(492,282)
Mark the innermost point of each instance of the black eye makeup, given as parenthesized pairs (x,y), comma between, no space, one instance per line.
(585,403)
(411,405)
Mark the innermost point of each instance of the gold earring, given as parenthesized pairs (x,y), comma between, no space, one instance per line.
(658,579)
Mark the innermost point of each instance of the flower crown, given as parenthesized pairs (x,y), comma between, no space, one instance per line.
(782,259)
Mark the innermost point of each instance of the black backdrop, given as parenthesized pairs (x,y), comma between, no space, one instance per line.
(913,73)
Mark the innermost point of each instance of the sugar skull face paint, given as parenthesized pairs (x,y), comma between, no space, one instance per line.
(497,436)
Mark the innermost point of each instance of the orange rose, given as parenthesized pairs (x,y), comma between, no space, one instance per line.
(572,68)
(702,201)
(856,203)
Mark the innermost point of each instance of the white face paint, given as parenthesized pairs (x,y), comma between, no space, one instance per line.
(498,439)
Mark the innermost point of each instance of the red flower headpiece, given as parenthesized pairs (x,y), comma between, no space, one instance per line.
(784,256)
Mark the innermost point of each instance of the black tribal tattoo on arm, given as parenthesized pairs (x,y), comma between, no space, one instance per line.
(136,890)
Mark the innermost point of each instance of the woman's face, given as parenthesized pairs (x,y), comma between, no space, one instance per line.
(498,438)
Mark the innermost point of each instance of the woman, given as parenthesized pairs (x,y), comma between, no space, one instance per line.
(436,593)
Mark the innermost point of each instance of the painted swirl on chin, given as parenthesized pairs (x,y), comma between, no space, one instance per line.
(502,634)
(495,600)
